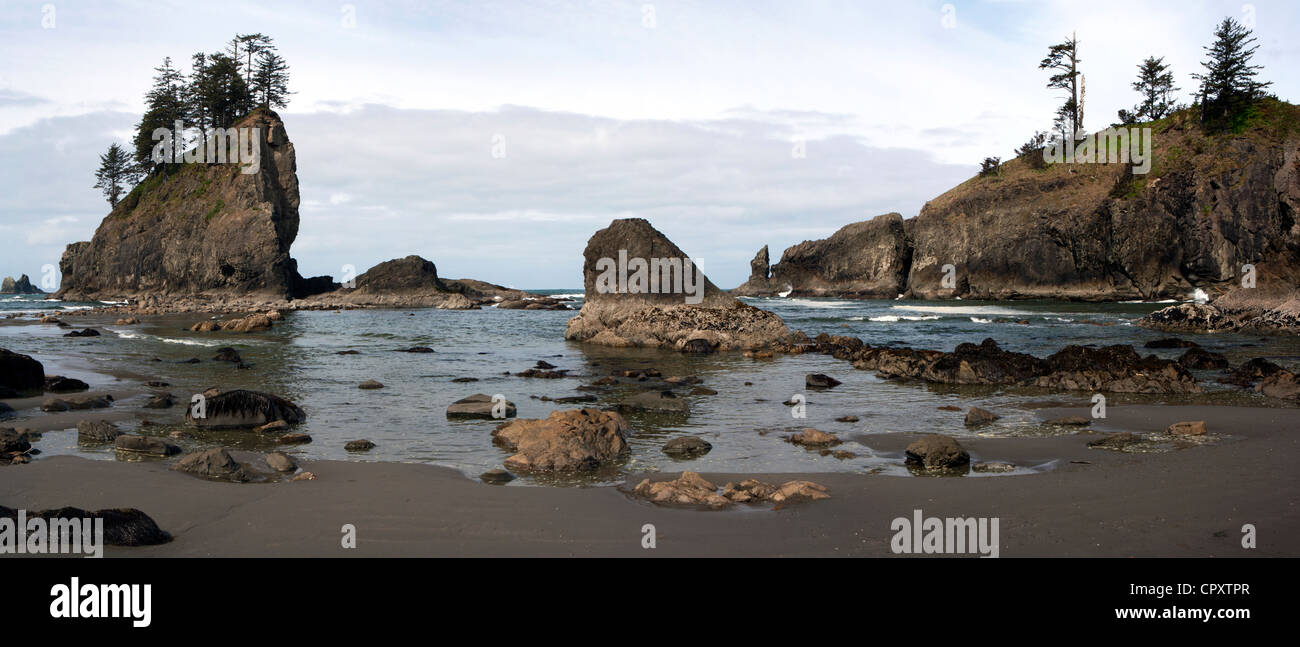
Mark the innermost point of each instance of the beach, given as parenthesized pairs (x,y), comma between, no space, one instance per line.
(1192,502)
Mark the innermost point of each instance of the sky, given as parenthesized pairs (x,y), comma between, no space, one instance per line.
(494,138)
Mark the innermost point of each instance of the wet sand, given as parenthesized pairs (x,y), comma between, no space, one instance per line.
(1188,502)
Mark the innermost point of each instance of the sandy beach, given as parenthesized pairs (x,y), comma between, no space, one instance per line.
(1190,502)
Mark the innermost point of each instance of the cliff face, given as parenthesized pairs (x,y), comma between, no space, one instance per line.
(1095,232)
(863,260)
(200,228)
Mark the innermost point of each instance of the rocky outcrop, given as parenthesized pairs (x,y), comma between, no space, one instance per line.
(570,440)
(1116,368)
(863,260)
(199,228)
(1271,306)
(642,290)
(22,286)
(1210,204)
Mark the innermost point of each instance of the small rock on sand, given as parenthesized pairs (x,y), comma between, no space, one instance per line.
(1196,428)
(1070,421)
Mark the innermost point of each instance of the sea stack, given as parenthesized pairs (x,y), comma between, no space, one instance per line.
(199,228)
(863,260)
(636,295)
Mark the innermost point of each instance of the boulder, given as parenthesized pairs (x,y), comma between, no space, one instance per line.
(814,438)
(1251,372)
(60,384)
(97,431)
(1196,428)
(228,354)
(245,409)
(145,445)
(977,416)
(362,445)
(819,381)
(935,451)
(370,385)
(21,373)
(214,464)
(1199,359)
(496,477)
(574,439)
(1283,385)
(689,489)
(87,332)
(281,462)
(122,526)
(655,402)
(479,405)
(12,441)
(686,447)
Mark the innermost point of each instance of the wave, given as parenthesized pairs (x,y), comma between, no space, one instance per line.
(978,320)
(126,334)
(966,310)
(828,303)
(894,318)
(575,295)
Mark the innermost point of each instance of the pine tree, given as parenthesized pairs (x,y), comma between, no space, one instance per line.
(1064,59)
(244,50)
(116,171)
(1228,85)
(1156,84)
(271,80)
(218,91)
(164,106)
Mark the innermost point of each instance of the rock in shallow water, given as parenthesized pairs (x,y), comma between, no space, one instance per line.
(814,438)
(20,372)
(281,462)
(480,405)
(496,477)
(243,409)
(97,431)
(977,416)
(145,445)
(569,440)
(935,451)
(362,445)
(687,447)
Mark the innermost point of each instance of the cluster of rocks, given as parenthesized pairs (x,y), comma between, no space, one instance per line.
(691,489)
(1126,441)
(1116,368)
(249,323)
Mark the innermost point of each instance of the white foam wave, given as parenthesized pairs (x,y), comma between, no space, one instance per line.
(894,318)
(965,310)
(979,320)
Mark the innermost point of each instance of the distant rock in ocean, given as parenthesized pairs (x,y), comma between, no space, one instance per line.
(642,290)
(22,286)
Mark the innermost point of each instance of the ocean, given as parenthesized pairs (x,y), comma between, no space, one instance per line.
(746,421)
